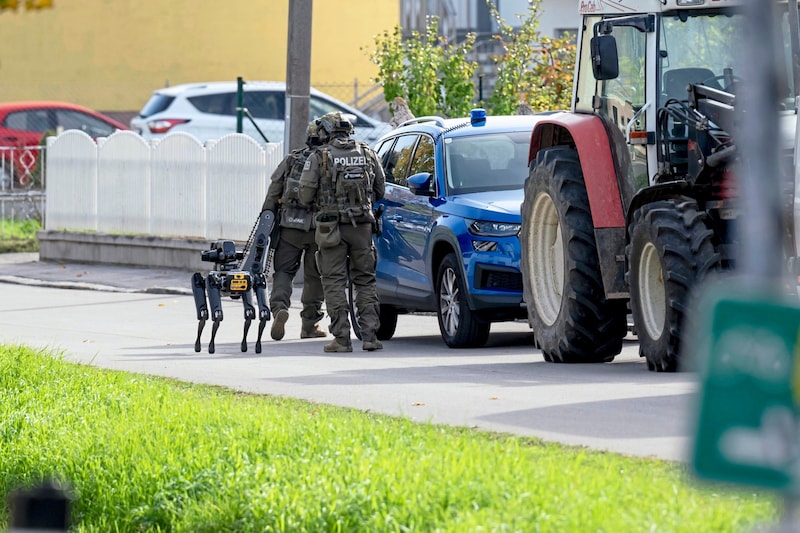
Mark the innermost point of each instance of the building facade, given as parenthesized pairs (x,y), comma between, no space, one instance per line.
(111,54)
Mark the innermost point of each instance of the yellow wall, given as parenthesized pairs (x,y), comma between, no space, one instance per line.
(111,54)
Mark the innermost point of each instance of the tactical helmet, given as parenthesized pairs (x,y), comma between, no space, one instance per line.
(333,123)
(314,136)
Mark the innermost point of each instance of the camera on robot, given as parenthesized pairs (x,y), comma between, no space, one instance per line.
(222,252)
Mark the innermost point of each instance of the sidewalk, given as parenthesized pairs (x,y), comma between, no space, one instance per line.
(26,269)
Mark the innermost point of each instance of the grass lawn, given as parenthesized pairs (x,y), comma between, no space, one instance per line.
(17,237)
(142,453)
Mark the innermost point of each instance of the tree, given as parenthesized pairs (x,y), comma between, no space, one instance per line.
(432,75)
(533,70)
(437,78)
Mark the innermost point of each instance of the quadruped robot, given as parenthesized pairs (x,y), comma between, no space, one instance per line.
(236,273)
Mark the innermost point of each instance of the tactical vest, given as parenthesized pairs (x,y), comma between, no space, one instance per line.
(293,214)
(346,184)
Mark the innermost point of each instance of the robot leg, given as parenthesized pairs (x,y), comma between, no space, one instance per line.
(199,292)
(249,315)
(260,288)
(215,300)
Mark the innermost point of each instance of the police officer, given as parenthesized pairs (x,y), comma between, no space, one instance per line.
(342,180)
(295,242)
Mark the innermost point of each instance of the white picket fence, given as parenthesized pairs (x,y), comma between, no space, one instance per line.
(172,187)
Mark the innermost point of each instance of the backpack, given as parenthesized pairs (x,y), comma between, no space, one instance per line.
(349,191)
(293,214)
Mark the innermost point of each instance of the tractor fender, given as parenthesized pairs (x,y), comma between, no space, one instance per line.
(590,137)
(661,191)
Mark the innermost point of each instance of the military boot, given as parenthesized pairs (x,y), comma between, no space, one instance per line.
(338,346)
(310,331)
(371,346)
(279,324)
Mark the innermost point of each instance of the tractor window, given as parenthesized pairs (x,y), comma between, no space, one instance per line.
(621,98)
(585,87)
(697,49)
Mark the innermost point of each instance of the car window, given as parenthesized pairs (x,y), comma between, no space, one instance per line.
(486,162)
(423,157)
(33,120)
(266,104)
(318,107)
(156,104)
(216,104)
(75,120)
(396,161)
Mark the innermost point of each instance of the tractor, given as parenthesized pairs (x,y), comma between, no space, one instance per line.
(631,200)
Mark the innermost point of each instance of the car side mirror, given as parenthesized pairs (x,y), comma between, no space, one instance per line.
(420,184)
(605,61)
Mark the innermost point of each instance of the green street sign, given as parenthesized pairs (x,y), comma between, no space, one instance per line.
(748,424)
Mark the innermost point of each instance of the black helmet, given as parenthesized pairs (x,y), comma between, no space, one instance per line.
(334,123)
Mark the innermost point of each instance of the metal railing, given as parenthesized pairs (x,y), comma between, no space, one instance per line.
(22,168)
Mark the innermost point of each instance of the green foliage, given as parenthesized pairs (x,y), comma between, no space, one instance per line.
(433,76)
(19,236)
(148,454)
(534,70)
(437,78)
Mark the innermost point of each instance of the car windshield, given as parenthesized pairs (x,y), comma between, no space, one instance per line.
(486,162)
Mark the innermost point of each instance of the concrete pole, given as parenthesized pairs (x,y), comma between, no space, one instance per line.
(298,74)
(757,140)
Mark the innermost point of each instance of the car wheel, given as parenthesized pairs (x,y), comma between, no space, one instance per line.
(459,325)
(388,318)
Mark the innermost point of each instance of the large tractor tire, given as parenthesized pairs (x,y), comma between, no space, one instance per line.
(671,249)
(572,320)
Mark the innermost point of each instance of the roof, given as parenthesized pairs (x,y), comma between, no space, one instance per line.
(437,125)
(225,86)
(42,104)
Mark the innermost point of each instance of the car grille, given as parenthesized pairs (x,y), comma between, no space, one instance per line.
(499,280)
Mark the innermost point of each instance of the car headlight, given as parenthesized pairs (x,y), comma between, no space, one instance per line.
(494,229)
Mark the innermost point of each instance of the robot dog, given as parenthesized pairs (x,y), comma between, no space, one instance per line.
(236,273)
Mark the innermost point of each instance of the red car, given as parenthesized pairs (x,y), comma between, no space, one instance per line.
(23,124)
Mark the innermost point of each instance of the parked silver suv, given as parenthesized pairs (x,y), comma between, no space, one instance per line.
(208,111)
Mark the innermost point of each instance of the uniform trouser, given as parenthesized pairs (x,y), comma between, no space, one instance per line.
(357,243)
(294,245)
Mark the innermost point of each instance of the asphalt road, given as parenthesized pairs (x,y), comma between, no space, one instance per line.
(505,386)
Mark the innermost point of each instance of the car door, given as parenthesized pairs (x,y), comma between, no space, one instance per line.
(217,116)
(414,219)
(268,108)
(69,119)
(407,219)
(26,127)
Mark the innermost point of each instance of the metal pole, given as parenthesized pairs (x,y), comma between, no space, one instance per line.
(239,104)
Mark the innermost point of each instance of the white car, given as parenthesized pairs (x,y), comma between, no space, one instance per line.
(208,111)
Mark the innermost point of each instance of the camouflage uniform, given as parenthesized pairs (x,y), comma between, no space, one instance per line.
(341,180)
(295,242)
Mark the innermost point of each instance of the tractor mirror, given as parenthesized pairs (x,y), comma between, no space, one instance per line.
(605,62)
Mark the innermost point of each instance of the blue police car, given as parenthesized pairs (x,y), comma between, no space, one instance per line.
(450,222)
